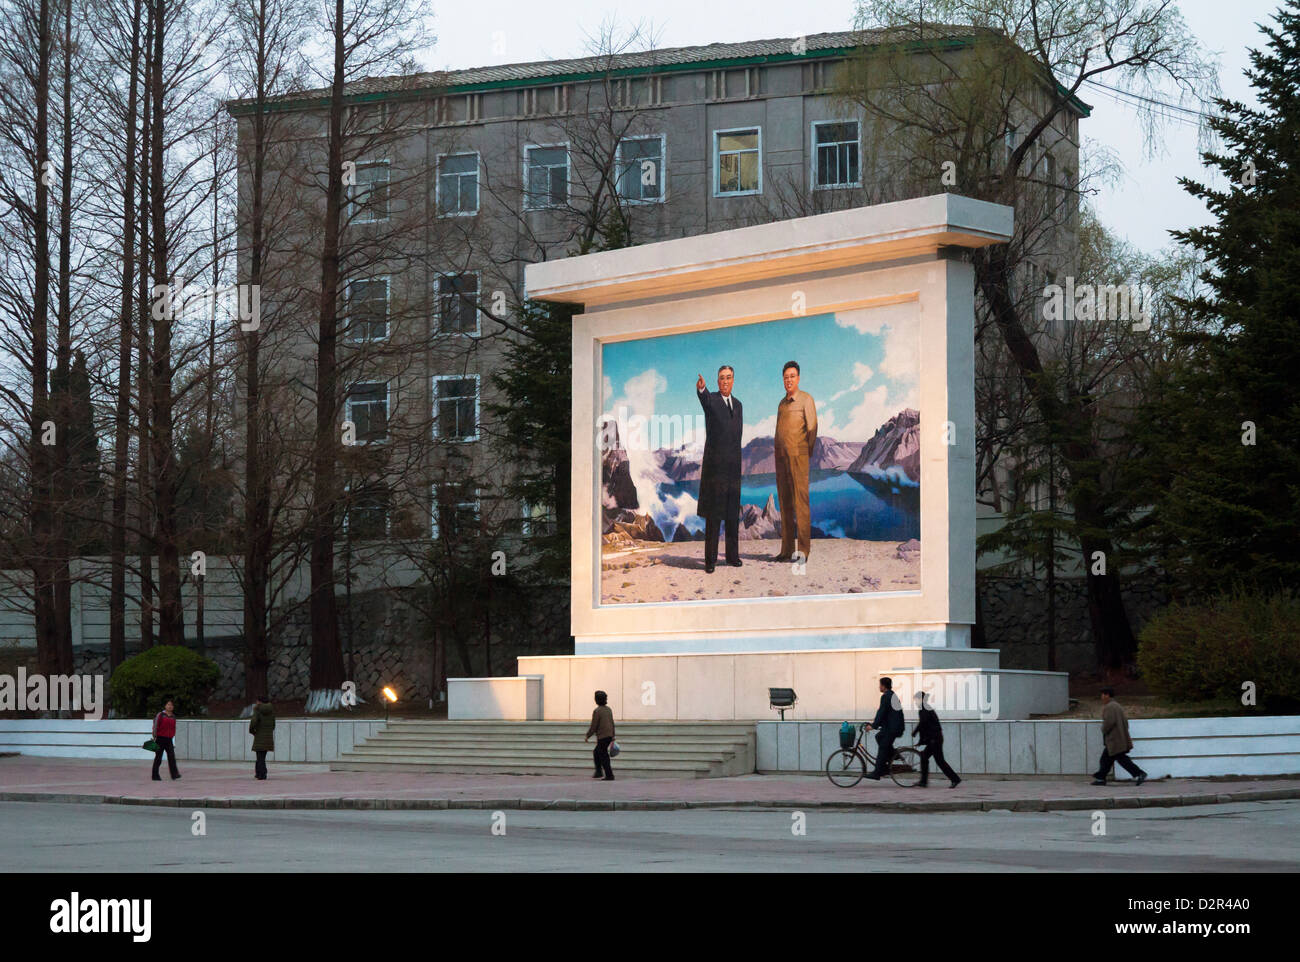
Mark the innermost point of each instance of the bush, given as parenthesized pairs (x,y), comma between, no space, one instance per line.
(145,681)
(1207,651)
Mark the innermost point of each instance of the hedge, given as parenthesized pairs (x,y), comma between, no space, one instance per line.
(1208,651)
(143,682)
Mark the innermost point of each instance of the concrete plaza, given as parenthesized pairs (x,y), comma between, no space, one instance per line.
(306,786)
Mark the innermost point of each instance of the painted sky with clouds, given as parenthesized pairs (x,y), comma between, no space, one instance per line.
(860,366)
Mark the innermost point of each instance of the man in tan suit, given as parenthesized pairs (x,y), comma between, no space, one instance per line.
(796,433)
(1118,743)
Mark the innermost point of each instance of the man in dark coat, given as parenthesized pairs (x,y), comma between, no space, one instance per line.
(719,501)
(930,734)
(889,725)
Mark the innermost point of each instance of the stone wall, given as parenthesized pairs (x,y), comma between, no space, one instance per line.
(385,642)
(1014,614)
(392,644)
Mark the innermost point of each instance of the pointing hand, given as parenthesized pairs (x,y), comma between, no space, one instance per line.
(699,385)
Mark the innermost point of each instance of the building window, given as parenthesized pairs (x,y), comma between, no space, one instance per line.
(1009,141)
(641,169)
(369,195)
(366,518)
(1049,181)
(546,177)
(737,167)
(367,318)
(534,520)
(454,516)
(458,304)
(458,185)
(835,149)
(455,407)
(367,406)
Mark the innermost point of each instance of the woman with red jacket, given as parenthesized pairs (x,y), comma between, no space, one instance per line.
(164,733)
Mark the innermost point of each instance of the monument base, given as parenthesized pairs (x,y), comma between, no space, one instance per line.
(942,636)
(843,684)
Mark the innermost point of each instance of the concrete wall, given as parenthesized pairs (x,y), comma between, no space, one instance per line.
(505,699)
(296,739)
(1188,747)
(829,684)
(1014,614)
(1180,747)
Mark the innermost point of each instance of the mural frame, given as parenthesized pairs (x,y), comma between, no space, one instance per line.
(941,612)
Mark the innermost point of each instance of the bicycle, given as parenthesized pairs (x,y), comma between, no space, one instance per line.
(846,767)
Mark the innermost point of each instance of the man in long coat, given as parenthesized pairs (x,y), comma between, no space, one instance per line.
(719,500)
(1114,731)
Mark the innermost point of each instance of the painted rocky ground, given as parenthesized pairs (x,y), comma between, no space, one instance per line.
(657,572)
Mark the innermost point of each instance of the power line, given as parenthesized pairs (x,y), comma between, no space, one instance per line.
(1117,92)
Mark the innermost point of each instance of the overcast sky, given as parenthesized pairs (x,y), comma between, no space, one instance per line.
(1141,207)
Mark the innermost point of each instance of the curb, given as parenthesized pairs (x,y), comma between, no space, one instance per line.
(657,805)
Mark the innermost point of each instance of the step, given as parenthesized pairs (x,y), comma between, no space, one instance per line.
(365,751)
(665,749)
(638,744)
(729,728)
(437,769)
(550,760)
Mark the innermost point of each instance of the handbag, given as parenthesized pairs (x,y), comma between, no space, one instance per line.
(150,746)
(614,749)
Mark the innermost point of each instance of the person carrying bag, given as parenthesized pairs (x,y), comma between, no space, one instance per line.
(164,734)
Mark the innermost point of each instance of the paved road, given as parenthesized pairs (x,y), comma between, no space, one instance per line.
(1244,837)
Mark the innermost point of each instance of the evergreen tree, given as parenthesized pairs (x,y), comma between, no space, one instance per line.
(534,418)
(1225,429)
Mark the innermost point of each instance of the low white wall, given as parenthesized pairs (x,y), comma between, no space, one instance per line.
(296,739)
(1181,747)
(67,738)
(497,699)
(1240,745)
(829,684)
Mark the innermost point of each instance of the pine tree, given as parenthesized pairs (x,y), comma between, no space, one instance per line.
(1227,425)
(534,420)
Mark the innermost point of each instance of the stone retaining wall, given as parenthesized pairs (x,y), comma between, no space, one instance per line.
(391,644)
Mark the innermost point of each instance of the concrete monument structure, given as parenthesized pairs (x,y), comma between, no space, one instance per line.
(879,303)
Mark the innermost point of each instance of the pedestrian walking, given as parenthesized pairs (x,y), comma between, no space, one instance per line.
(164,733)
(262,727)
(602,726)
(889,725)
(1114,732)
(929,734)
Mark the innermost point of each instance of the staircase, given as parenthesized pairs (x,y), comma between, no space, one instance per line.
(649,749)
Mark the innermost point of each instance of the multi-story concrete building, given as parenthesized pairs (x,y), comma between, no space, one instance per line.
(490,168)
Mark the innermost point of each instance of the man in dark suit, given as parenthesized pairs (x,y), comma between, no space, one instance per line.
(889,725)
(720,472)
(931,736)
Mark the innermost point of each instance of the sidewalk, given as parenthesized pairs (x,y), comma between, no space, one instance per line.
(299,786)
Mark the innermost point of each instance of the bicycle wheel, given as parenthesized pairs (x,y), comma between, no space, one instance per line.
(845,768)
(905,769)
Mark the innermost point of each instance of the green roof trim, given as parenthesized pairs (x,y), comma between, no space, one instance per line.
(244,107)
